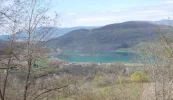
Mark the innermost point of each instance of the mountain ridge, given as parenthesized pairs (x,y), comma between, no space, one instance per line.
(108,37)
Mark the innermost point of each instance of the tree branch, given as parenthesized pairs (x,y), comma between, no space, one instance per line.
(49,90)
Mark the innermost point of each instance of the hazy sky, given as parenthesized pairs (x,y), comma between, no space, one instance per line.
(102,12)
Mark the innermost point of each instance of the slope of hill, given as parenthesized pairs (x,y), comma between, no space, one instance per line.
(55,32)
(109,37)
(61,31)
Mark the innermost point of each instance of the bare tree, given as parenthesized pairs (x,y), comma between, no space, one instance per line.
(31,18)
(159,57)
(9,54)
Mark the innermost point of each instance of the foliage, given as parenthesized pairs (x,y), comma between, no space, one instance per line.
(41,62)
(130,91)
(138,76)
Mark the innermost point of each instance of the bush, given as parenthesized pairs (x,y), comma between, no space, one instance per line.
(99,80)
(123,80)
(139,77)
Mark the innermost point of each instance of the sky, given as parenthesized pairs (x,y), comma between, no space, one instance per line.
(102,12)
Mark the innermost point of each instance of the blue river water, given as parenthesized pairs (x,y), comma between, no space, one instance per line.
(99,57)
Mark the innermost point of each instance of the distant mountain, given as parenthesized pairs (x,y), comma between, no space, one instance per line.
(55,32)
(163,22)
(109,37)
(4,37)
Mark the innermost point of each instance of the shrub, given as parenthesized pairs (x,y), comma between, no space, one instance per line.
(99,81)
(139,77)
(123,80)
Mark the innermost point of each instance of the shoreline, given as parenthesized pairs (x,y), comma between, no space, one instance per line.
(97,63)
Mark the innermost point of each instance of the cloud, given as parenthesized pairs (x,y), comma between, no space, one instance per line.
(91,19)
(168,1)
(114,10)
(151,11)
(71,14)
(105,17)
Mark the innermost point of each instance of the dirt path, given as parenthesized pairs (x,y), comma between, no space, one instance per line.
(148,92)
